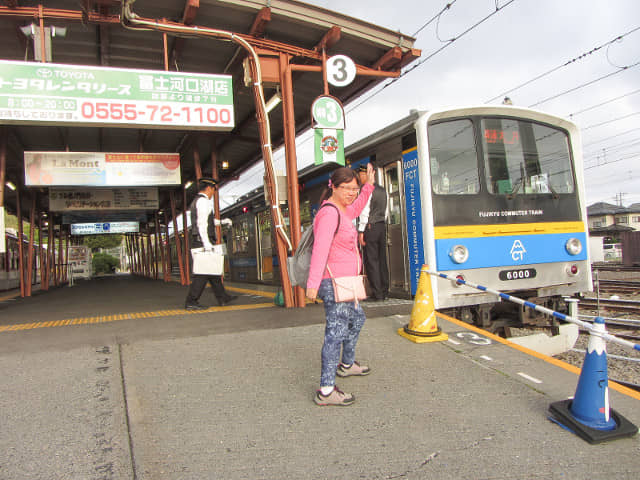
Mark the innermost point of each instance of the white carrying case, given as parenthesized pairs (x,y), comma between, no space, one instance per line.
(208,263)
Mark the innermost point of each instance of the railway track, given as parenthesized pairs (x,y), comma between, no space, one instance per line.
(617,305)
(617,286)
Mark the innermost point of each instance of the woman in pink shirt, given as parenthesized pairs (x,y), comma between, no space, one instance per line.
(340,252)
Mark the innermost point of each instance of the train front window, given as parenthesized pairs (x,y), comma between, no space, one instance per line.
(454,164)
(522,157)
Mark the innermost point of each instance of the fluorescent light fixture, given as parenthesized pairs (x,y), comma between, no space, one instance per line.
(58,31)
(28,30)
(273,102)
(11,186)
(188,184)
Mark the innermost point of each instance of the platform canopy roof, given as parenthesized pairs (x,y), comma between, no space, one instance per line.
(95,36)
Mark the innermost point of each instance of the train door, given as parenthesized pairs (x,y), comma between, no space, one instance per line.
(396,255)
(265,250)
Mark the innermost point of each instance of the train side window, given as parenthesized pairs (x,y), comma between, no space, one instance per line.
(241,235)
(454,164)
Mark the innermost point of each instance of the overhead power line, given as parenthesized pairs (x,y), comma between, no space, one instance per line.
(629,157)
(434,53)
(584,85)
(604,103)
(435,17)
(610,121)
(610,137)
(568,62)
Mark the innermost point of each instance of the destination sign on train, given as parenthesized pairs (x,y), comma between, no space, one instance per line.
(507,137)
(37,93)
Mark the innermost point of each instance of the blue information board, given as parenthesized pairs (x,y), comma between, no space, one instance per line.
(413,208)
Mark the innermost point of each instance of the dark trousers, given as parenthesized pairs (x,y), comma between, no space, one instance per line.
(198,284)
(375,259)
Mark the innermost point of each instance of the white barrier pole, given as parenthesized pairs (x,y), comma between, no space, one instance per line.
(587,326)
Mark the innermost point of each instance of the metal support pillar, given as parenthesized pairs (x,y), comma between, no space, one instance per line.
(176,236)
(270,185)
(32,220)
(67,238)
(59,268)
(20,243)
(216,194)
(288,117)
(167,249)
(41,251)
(159,252)
(187,259)
(3,164)
(150,254)
(50,256)
(143,254)
(126,247)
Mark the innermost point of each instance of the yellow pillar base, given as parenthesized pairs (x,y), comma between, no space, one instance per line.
(438,336)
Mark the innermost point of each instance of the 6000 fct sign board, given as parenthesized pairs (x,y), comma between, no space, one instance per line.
(67,94)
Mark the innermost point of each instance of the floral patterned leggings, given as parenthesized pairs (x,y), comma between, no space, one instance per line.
(344,322)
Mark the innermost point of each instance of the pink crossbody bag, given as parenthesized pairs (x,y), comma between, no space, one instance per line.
(349,289)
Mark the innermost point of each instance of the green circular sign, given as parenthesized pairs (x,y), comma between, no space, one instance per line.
(327,113)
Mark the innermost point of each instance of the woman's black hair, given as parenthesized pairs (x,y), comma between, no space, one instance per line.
(338,177)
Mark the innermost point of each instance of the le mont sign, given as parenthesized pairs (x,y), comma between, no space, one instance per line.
(37,93)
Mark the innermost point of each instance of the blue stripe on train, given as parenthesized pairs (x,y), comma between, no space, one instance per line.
(509,251)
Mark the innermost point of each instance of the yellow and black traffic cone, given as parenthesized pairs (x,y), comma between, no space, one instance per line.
(423,326)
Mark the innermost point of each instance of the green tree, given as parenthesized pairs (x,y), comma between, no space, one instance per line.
(104,263)
(96,242)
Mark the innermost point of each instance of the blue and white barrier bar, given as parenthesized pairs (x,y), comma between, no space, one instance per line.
(587,326)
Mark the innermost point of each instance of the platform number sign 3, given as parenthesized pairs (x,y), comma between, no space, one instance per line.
(340,70)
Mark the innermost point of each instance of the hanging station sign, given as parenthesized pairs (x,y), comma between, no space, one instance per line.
(64,199)
(36,93)
(99,169)
(328,124)
(104,228)
(341,70)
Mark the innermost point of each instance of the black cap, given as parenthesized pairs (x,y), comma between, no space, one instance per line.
(362,168)
(206,182)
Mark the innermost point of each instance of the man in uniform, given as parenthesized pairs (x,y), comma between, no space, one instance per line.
(203,234)
(372,236)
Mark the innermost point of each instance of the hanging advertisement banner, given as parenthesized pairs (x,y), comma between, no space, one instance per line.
(328,123)
(329,146)
(37,93)
(61,200)
(80,261)
(100,169)
(104,228)
(104,217)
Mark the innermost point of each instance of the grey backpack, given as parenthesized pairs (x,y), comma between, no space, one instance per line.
(298,264)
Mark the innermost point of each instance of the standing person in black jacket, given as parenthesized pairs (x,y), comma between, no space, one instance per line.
(372,236)
(203,234)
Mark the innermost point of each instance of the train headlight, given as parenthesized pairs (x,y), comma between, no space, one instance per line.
(459,254)
(573,246)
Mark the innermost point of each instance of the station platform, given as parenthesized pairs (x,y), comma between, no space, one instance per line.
(110,379)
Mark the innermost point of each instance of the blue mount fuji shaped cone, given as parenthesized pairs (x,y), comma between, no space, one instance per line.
(588,415)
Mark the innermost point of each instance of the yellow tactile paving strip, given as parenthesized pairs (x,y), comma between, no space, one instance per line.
(135,315)
(126,316)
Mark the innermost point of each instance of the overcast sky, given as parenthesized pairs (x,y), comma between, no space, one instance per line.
(523,40)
